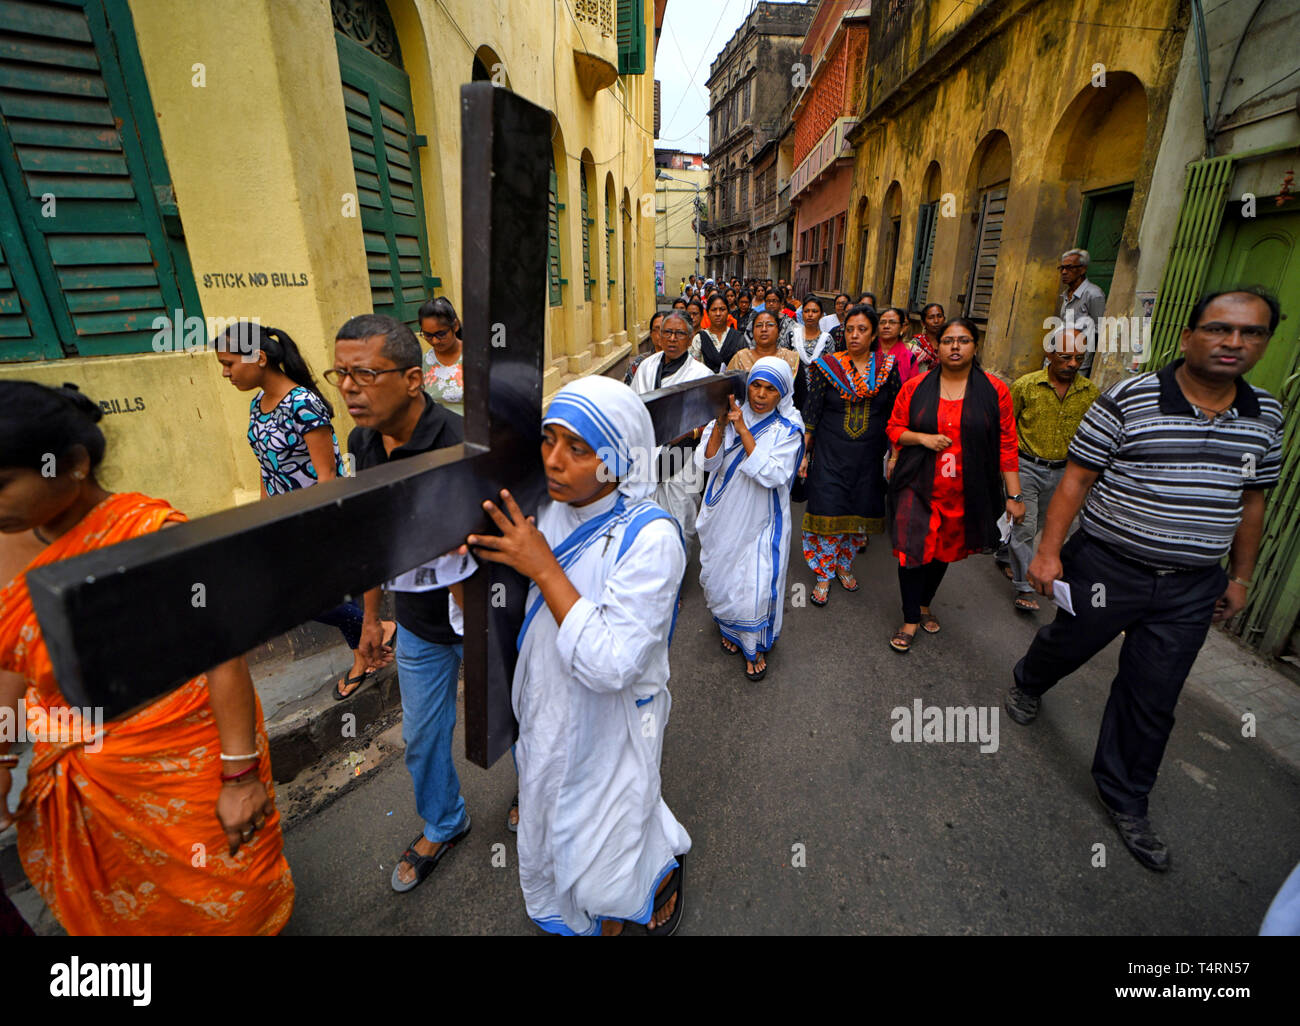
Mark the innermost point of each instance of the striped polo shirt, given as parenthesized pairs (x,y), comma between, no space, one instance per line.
(1171,479)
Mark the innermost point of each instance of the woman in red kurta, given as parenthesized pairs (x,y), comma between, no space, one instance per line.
(956,439)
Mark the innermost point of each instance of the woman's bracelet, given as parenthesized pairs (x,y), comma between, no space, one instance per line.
(231,777)
(1238,580)
(8,760)
(237,758)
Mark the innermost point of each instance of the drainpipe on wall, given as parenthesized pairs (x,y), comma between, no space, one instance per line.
(1203,62)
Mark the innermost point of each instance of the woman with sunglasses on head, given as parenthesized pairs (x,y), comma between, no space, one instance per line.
(444,372)
(291,434)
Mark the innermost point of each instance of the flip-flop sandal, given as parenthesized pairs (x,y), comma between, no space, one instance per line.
(845,577)
(729,650)
(902,642)
(348,682)
(1007,572)
(392,640)
(757,675)
(424,864)
(1026,605)
(826,592)
(929,624)
(666,895)
(514,807)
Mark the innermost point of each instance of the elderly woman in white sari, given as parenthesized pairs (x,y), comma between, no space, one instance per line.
(744,524)
(598,846)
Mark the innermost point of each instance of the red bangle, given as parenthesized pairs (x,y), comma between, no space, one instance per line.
(225,779)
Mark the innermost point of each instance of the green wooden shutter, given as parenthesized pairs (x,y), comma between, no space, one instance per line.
(587,279)
(922,256)
(1189,257)
(381,131)
(553,208)
(631,37)
(988,243)
(84,173)
(609,251)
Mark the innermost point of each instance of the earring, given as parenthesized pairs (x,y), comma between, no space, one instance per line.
(78,475)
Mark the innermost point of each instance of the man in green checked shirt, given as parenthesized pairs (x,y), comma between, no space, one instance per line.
(1048,406)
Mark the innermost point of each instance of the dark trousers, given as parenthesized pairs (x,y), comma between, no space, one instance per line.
(347,618)
(918,585)
(1165,618)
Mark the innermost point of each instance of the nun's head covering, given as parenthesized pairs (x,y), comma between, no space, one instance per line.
(776,372)
(613,420)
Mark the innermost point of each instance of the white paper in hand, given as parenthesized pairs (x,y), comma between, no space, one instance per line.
(1004,527)
(1061,595)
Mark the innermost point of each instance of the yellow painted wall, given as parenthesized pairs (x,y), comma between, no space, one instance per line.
(1029,74)
(259,158)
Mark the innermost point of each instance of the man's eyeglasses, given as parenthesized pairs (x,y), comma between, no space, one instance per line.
(1254,333)
(1069,267)
(363,376)
(436,336)
(669,333)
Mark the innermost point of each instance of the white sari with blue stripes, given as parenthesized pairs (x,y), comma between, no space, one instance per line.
(744,528)
(591,697)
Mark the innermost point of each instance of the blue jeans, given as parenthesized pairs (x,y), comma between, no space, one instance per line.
(347,618)
(426,675)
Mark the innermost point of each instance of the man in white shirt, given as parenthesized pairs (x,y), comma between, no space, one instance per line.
(1080,300)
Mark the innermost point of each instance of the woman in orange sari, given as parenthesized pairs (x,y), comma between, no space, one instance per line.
(163,821)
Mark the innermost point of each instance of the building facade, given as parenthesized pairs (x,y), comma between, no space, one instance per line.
(749,85)
(681,185)
(297,163)
(824,113)
(995,136)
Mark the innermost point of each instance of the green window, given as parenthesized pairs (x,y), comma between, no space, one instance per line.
(609,250)
(93,250)
(631,37)
(553,208)
(587,222)
(922,256)
(386,162)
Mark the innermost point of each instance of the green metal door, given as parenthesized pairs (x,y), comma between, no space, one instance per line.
(386,162)
(1101,229)
(1265,250)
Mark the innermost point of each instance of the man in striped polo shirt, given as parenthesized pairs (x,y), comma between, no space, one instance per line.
(1171,470)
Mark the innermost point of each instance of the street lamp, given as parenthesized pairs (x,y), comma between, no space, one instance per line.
(661,174)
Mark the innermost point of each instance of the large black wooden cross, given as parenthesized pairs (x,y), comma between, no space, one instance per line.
(127,623)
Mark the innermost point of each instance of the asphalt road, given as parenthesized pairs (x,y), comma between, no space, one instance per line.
(892,838)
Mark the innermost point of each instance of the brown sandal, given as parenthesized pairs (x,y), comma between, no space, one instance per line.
(1026,603)
(902,641)
(929,624)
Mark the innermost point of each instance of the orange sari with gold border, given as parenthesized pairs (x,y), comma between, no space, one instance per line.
(125,840)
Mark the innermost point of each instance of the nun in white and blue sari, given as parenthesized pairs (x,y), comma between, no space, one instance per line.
(744,522)
(595,836)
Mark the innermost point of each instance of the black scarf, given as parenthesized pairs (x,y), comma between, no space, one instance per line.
(667,370)
(911,487)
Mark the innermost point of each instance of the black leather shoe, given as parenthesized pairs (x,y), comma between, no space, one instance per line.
(1140,838)
(1021,706)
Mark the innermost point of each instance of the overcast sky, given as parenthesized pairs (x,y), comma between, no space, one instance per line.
(694,32)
